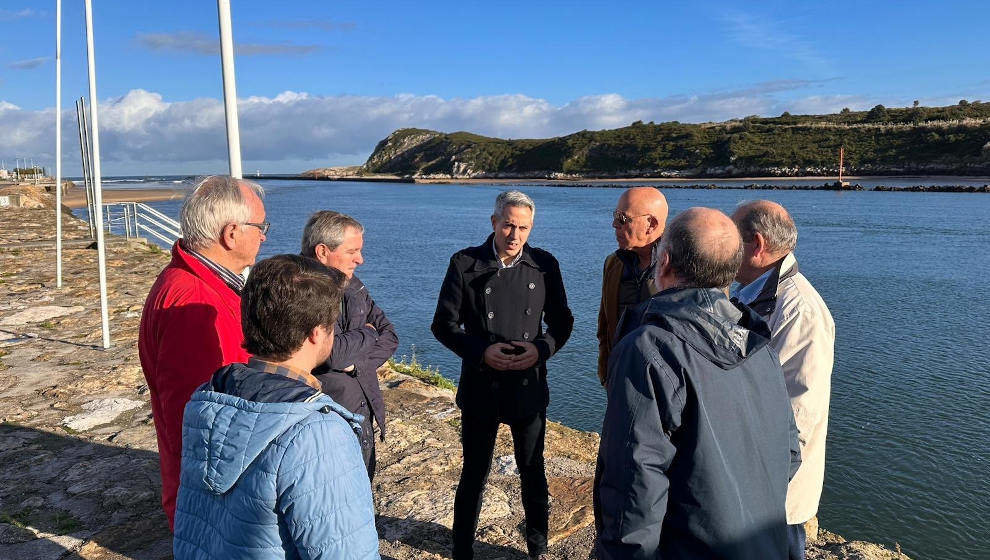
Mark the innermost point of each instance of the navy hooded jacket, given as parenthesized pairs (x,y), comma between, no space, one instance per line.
(699,440)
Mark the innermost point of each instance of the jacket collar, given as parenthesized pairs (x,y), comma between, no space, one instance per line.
(182,259)
(766,301)
(485,257)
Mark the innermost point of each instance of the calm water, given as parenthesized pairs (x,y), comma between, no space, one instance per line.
(903,273)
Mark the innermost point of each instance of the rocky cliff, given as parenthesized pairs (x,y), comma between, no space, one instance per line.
(952,140)
(78,456)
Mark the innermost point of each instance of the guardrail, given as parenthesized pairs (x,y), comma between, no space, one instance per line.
(136,219)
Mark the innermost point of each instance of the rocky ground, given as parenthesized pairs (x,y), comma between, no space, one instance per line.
(78,458)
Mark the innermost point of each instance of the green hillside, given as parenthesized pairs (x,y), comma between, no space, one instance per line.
(951,140)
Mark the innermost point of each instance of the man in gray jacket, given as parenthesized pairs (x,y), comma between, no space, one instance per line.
(802,333)
(698,441)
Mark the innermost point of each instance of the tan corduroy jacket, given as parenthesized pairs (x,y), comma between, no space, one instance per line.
(608,311)
(803,334)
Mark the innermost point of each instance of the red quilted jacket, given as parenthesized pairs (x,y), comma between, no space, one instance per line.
(190,327)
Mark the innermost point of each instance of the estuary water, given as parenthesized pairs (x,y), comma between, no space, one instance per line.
(904,275)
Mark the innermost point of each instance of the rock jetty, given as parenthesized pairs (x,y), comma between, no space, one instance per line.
(78,457)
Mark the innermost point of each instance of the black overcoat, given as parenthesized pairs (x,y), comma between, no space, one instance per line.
(481,304)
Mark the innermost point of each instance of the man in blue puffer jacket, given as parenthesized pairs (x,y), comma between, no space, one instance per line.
(272,467)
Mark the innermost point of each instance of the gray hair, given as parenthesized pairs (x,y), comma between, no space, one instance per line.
(328,228)
(215,202)
(513,198)
(767,219)
(700,259)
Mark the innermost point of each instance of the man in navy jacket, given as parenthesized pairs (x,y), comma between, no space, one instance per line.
(698,441)
(365,339)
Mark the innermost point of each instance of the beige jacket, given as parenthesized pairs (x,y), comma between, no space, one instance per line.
(803,334)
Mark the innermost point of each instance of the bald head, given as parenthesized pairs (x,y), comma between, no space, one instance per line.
(644,200)
(640,218)
(702,249)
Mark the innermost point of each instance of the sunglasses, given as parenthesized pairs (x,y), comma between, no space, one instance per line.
(622,219)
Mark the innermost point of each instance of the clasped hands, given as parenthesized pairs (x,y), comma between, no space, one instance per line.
(503,356)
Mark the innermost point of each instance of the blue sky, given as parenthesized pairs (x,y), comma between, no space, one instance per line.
(322,82)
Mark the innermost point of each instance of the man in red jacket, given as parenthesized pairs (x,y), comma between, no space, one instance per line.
(191,324)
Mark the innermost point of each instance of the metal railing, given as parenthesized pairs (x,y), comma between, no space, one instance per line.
(136,219)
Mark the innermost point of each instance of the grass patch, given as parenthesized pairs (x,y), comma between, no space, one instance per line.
(3,352)
(427,374)
(47,324)
(58,522)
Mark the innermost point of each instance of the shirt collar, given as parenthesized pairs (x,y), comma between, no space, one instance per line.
(232,279)
(498,259)
(285,371)
(747,294)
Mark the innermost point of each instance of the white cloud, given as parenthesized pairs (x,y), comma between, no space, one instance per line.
(143,133)
(195,42)
(29,63)
(10,15)
(767,34)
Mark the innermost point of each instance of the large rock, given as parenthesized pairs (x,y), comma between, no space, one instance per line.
(39,314)
(100,411)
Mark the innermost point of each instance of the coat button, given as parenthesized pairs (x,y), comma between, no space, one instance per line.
(529,311)
(488,290)
(525,382)
(532,286)
(525,336)
(491,338)
(491,314)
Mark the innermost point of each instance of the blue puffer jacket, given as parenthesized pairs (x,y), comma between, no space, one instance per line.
(271,468)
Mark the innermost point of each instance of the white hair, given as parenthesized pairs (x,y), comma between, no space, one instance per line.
(215,202)
(513,198)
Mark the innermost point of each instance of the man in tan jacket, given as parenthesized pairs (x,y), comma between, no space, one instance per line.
(802,333)
(627,279)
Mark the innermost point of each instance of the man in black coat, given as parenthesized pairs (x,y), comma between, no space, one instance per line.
(363,337)
(490,312)
(698,441)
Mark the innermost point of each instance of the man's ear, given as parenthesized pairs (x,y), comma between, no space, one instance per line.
(654,224)
(759,246)
(227,239)
(493,222)
(321,251)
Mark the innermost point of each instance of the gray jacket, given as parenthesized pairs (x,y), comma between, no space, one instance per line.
(698,442)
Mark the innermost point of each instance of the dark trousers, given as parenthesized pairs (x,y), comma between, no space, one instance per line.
(796,541)
(478,443)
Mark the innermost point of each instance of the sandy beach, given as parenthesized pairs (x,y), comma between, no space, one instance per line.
(76,197)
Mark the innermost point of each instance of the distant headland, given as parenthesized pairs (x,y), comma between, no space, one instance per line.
(951,141)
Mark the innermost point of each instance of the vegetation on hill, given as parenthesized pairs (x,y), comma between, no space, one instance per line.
(916,140)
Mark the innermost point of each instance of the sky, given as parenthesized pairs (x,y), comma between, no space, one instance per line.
(320,83)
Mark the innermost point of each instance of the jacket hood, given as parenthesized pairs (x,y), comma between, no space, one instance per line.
(224,433)
(722,331)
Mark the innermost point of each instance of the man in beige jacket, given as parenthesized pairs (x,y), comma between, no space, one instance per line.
(802,333)
(627,279)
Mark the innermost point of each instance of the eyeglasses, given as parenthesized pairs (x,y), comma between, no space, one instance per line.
(263,226)
(622,219)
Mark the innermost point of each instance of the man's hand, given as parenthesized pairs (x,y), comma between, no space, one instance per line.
(528,358)
(497,358)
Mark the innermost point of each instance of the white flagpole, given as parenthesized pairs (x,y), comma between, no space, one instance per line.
(97,177)
(229,88)
(58,143)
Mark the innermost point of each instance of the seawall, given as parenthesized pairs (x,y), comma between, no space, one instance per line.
(78,456)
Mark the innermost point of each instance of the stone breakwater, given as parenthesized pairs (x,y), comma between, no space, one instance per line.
(78,457)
